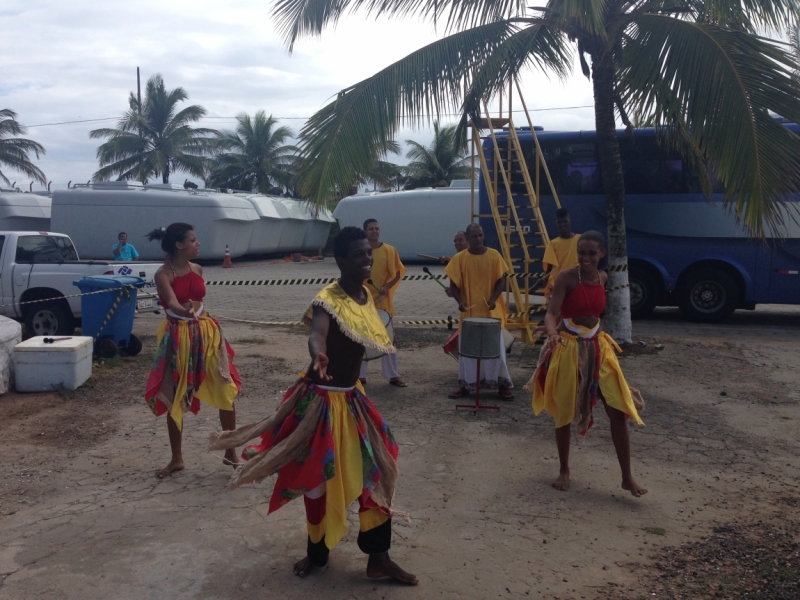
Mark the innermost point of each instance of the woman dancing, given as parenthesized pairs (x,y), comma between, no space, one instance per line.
(193,361)
(579,365)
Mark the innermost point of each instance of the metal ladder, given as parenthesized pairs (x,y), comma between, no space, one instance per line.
(514,231)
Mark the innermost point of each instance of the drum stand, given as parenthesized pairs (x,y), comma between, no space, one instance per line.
(478,406)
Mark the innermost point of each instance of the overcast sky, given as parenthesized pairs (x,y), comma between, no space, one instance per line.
(73,61)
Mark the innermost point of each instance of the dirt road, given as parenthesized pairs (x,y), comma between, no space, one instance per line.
(82,516)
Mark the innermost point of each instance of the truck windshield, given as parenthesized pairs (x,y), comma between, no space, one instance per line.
(44,249)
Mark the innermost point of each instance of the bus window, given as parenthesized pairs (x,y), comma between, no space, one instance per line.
(572,165)
(649,168)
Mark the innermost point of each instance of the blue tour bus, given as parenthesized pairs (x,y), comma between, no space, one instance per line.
(683,249)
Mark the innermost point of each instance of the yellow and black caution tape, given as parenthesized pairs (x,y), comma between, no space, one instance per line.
(618,268)
(618,287)
(307,280)
(123,292)
(327,280)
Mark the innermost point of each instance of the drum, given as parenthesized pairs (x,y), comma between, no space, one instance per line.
(480,338)
(508,339)
(371,353)
(451,346)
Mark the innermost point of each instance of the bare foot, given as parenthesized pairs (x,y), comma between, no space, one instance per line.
(562,483)
(174,465)
(231,458)
(303,567)
(634,488)
(380,565)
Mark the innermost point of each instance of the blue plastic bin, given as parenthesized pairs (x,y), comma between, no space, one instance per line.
(116,336)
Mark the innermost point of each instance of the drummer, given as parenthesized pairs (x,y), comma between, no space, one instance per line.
(387,271)
(477,281)
(460,242)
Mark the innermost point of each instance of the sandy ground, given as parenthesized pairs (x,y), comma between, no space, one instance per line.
(82,516)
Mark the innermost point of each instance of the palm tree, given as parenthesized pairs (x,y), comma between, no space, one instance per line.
(382,173)
(702,68)
(14,151)
(441,162)
(255,157)
(156,141)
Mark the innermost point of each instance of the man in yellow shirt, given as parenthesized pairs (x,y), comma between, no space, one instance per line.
(561,253)
(477,281)
(387,271)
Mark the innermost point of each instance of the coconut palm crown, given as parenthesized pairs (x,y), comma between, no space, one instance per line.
(157,142)
(254,157)
(441,162)
(14,150)
(703,69)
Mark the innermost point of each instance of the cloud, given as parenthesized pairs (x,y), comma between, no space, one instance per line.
(77,60)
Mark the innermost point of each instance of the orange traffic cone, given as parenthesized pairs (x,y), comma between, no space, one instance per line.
(226,262)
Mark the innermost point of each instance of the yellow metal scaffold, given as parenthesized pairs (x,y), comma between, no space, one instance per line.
(528,234)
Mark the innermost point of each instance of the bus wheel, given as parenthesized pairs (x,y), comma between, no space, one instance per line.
(645,291)
(708,295)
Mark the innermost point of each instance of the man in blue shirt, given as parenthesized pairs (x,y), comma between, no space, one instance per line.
(123,250)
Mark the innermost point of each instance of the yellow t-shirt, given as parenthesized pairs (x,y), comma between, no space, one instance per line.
(385,266)
(560,254)
(475,276)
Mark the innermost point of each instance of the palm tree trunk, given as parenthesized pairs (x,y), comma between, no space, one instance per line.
(165,175)
(617,321)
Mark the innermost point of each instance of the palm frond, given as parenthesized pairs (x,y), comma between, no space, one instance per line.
(752,16)
(537,46)
(339,141)
(723,83)
(299,18)
(14,151)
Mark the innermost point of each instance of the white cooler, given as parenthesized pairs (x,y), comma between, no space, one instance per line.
(40,367)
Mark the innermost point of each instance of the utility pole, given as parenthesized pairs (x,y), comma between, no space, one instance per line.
(139,99)
(139,91)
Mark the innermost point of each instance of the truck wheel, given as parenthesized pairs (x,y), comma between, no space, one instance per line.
(49,318)
(133,347)
(645,292)
(106,348)
(708,295)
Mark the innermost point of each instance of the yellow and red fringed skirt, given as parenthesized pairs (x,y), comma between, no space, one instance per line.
(320,435)
(193,364)
(569,379)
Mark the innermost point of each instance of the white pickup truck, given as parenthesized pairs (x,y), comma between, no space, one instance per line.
(39,265)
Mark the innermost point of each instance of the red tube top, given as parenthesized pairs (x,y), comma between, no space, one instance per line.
(586,300)
(188,287)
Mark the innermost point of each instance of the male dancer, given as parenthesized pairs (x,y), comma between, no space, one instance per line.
(326,440)
(387,271)
(460,242)
(560,254)
(477,280)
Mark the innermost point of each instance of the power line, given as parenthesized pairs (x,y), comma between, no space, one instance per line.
(101,119)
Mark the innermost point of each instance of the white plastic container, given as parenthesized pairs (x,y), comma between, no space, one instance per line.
(266,236)
(318,229)
(24,212)
(40,367)
(293,225)
(93,216)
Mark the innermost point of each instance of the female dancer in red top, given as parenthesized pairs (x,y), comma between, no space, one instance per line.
(193,361)
(579,365)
